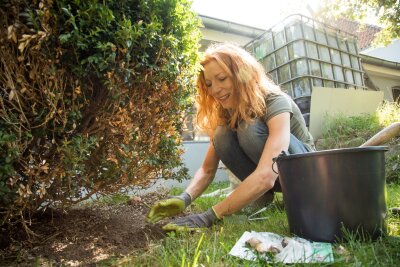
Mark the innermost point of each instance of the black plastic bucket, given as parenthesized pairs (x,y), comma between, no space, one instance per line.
(328,191)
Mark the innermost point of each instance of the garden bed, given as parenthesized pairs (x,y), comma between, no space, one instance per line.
(85,235)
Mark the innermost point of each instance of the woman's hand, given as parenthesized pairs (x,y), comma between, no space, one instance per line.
(193,222)
(176,204)
(168,207)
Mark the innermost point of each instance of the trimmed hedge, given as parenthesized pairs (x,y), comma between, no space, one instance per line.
(92,96)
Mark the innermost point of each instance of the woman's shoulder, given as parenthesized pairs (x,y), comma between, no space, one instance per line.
(277,102)
(278,97)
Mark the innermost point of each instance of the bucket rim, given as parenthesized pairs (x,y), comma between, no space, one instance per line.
(332,151)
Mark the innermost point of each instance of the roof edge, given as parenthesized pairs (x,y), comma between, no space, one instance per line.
(380,62)
(230,22)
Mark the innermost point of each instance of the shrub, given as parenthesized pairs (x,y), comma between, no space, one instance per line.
(92,96)
(348,131)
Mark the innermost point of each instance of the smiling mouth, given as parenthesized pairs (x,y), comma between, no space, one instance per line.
(224,97)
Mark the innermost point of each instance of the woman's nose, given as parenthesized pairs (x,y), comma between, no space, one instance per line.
(215,89)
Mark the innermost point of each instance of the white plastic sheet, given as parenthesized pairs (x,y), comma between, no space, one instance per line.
(298,250)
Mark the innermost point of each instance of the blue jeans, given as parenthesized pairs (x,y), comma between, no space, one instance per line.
(240,150)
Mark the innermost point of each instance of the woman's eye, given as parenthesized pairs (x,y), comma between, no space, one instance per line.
(208,84)
(222,78)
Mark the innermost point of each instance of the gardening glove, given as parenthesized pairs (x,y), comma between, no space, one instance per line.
(193,222)
(169,207)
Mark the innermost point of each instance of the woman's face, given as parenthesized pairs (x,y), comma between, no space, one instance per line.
(219,84)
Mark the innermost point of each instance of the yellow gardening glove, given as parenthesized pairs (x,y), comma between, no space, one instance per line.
(168,207)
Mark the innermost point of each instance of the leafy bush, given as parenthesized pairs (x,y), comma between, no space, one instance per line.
(92,94)
(342,131)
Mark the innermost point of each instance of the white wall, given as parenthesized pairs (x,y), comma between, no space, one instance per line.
(385,85)
(192,158)
(383,78)
(218,36)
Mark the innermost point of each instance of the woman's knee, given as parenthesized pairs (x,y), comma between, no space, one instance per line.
(223,139)
(252,138)
(227,147)
(296,146)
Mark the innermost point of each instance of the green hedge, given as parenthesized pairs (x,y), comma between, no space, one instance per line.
(92,97)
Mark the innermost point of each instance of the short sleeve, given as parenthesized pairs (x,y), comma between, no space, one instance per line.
(277,104)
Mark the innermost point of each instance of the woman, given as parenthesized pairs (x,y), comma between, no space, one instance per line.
(250,121)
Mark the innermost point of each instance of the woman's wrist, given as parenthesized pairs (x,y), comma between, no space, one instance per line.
(186,197)
(216,214)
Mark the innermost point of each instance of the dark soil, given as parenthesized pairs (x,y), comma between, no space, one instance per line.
(83,236)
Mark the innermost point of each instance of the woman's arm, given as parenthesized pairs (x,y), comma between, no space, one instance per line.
(175,205)
(205,174)
(263,178)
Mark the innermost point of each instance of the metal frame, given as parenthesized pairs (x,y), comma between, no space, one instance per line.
(303,21)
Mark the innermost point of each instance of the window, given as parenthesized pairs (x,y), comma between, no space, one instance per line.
(303,53)
(327,71)
(317,82)
(354,62)
(301,87)
(296,50)
(281,56)
(315,70)
(340,85)
(396,94)
(342,44)
(279,39)
(269,62)
(287,88)
(357,78)
(324,53)
(352,46)
(293,32)
(269,44)
(335,56)
(332,41)
(308,33)
(346,59)
(312,51)
(338,73)
(349,76)
(299,68)
(274,76)
(329,84)
(320,37)
(283,73)
(260,49)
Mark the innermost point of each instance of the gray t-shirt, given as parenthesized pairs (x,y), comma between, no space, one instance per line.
(280,102)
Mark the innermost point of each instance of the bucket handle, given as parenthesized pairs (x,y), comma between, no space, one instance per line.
(274,160)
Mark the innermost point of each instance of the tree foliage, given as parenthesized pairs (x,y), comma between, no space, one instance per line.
(92,95)
(386,11)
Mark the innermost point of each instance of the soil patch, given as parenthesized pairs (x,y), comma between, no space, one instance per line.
(85,235)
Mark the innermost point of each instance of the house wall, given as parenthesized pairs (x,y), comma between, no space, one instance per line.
(218,36)
(193,156)
(383,78)
(385,85)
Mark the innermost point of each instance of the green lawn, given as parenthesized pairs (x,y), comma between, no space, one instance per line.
(211,247)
